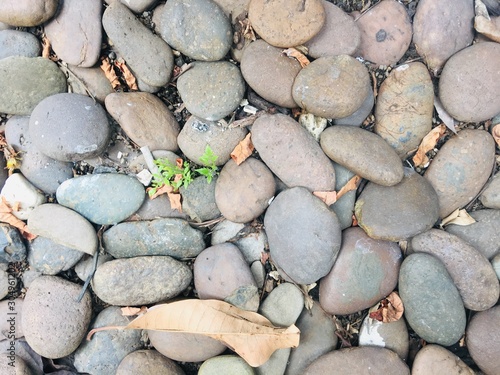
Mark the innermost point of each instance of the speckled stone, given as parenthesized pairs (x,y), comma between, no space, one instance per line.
(226,364)
(18,43)
(147,362)
(50,258)
(490,197)
(27,12)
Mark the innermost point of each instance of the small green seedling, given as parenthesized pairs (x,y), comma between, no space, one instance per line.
(208,159)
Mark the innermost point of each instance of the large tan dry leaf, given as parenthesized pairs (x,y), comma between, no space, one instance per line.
(243,150)
(352,184)
(458,217)
(495,132)
(389,310)
(110,74)
(329,197)
(299,56)
(6,216)
(427,144)
(127,74)
(249,334)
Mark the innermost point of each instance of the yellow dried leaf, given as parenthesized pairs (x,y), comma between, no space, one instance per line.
(127,75)
(427,144)
(110,74)
(458,217)
(388,310)
(352,184)
(495,132)
(243,150)
(6,216)
(165,189)
(45,47)
(299,56)
(329,197)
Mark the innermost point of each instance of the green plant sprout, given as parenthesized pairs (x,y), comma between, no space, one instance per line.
(168,171)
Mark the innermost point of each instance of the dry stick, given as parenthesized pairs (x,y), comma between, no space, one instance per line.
(107,328)
(89,277)
(247,121)
(148,158)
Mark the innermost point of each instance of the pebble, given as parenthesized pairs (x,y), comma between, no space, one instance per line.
(243,192)
(360,360)
(298,223)
(166,278)
(398,212)
(4,282)
(284,23)
(136,6)
(103,354)
(245,297)
(168,236)
(145,119)
(8,307)
(269,72)
(317,337)
(69,127)
(211,90)
(360,115)
(259,273)
(283,305)
(276,364)
(53,322)
(155,209)
(18,43)
(26,81)
(17,190)
(483,340)
(461,168)
(436,43)
(173,345)
(233,8)
(82,80)
(63,226)
(4,173)
(226,364)
(147,362)
(292,154)
(495,262)
(393,335)
(11,245)
(433,306)
(85,266)
(106,198)
(22,368)
(27,12)
(75,32)
(471,272)
(490,197)
(436,360)
(461,79)
(366,271)
(198,29)
(251,240)
(50,258)
(405,104)
(197,133)
(362,152)
(344,206)
(339,35)
(332,86)
(146,54)
(386,33)
(198,200)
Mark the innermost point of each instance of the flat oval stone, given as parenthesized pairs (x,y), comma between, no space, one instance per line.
(366,271)
(146,362)
(298,223)
(461,168)
(136,6)
(197,133)
(225,364)
(90,79)
(362,152)
(25,82)
(397,212)
(283,305)
(339,35)
(436,360)
(405,103)
(53,322)
(106,198)
(148,55)
(105,351)
(332,86)
(483,340)
(269,72)
(166,278)
(14,249)
(386,33)
(75,32)
(198,199)
(360,360)
(358,117)
(471,272)
(17,190)
(50,258)
(433,306)
(69,127)
(63,226)
(286,23)
(242,192)
(145,119)
(490,197)
(344,206)
(18,43)
(211,90)
(472,73)
(197,28)
(27,12)
(483,235)
(169,236)
(393,335)
(436,43)
(292,153)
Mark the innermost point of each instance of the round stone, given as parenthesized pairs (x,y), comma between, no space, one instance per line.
(50,258)
(93,80)
(27,12)
(332,86)
(283,305)
(490,197)
(225,364)
(436,360)
(198,199)
(147,362)
(393,335)
(18,43)
(17,190)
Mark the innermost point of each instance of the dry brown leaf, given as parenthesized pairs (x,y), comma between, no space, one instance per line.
(127,75)
(299,56)
(243,150)
(427,144)
(165,189)
(444,115)
(249,334)
(6,216)
(389,310)
(264,256)
(329,197)
(495,132)
(458,217)
(487,27)
(352,184)
(131,311)
(110,74)
(175,201)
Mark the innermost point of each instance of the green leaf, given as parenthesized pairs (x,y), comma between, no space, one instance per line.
(208,158)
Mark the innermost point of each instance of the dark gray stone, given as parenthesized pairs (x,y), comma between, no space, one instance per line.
(198,200)
(18,43)
(136,6)
(50,258)
(11,244)
(147,362)
(360,115)
(283,305)
(344,206)
(82,80)
(490,197)
(86,265)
